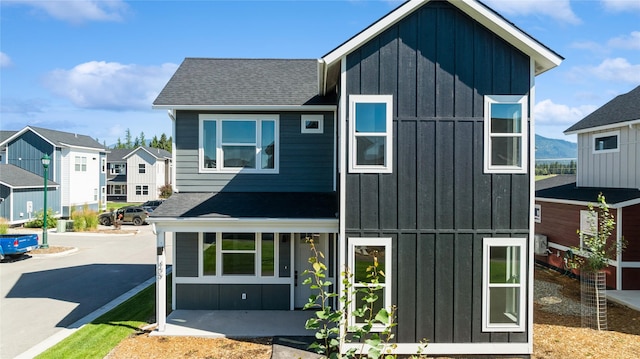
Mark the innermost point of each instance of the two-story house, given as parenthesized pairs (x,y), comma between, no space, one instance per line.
(78,165)
(411,141)
(137,175)
(608,163)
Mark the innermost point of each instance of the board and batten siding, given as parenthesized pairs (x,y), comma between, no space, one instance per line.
(135,178)
(619,169)
(438,204)
(26,152)
(306,160)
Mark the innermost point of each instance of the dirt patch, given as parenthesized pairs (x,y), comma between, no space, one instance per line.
(555,335)
(51,250)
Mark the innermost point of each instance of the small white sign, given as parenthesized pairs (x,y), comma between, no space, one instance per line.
(29,206)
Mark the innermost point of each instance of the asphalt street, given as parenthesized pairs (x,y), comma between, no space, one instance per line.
(40,296)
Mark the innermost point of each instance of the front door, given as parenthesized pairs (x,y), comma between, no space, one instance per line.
(302,254)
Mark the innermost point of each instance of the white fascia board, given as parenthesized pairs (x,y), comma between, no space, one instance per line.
(605,127)
(242,224)
(75,147)
(246,108)
(142,149)
(544,57)
(19,133)
(628,203)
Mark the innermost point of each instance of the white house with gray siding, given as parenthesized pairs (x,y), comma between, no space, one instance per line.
(412,142)
(147,169)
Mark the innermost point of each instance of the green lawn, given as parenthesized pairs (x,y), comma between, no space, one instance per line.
(538,178)
(98,338)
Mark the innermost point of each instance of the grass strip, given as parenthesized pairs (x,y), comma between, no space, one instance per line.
(98,338)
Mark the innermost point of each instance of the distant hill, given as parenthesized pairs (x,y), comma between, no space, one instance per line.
(552,148)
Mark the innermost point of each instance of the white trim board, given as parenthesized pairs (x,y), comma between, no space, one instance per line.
(454,348)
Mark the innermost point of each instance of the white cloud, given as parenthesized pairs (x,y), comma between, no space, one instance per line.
(622,5)
(549,113)
(78,11)
(616,70)
(110,85)
(629,42)
(5,60)
(557,9)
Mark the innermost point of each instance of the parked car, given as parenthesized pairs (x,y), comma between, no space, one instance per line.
(132,214)
(15,245)
(152,205)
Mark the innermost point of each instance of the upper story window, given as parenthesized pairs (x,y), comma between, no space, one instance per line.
(312,124)
(370,133)
(606,142)
(103,165)
(142,168)
(80,164)
(234,143)
(505,134)
(118,168)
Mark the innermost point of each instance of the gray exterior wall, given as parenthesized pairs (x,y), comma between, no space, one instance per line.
(438,205)
(26,152)
(228,296)
(5,204)
(306,160)
(20,197)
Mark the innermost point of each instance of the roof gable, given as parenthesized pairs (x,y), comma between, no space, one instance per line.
(545,59)
(59,138)
(622,110)
(15,177)
(157,153)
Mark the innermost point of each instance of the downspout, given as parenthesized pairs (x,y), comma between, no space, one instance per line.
(532,201)
(172,115)
(342,160)
(619,245)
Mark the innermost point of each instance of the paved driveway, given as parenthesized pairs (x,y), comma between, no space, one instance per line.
(40,296)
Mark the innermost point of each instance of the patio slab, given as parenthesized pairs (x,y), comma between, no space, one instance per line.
(629,298)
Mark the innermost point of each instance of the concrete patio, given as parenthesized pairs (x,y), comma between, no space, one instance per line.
(629,298)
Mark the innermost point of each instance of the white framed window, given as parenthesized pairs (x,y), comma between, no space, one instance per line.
(142,190)
(95,194)
(103,165)
(142,168)
(504,284)
(606,142)
(80,164)
(362,252)
(238,254)
(505,134)
(537,213)
(118,168)
(371,133)
(312,124)
(239,143)
(588,226)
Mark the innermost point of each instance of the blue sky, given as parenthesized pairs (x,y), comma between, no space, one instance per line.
(95,67)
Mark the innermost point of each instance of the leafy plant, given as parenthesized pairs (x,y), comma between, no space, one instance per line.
(38,221)
(598,242)
(166,191)
(4,225)
(332,325)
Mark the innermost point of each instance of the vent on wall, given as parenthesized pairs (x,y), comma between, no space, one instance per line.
(540,245)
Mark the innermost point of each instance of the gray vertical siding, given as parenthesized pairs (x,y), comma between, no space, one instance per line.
(26,152)
(306,160)
(438,204)
(186,254)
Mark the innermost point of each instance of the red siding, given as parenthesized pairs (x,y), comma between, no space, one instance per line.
(631,233)
(631,278)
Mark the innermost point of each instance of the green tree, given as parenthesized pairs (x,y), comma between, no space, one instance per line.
(128,143)
(143,141)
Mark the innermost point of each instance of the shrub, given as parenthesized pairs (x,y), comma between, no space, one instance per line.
(37,222)
(166,191)
(85,220)
(4,225)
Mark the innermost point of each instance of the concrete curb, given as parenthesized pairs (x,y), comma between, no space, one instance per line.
(47,255)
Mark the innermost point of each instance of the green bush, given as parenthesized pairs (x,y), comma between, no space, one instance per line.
(166,191)
(4,225)
(37,222)
(79,224)
(85,220)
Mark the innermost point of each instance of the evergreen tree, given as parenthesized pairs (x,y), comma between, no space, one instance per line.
(128,144)
(119,144)
(136,142)
(163,142)
(143,141)
(154,142)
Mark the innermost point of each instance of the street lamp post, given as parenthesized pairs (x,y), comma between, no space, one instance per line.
(46,160)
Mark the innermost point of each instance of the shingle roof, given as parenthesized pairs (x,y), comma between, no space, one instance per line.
(243,82)
(117,155)
(623,108)
(14,176)
(6,134)
(589,194)
(249,205)
(60,138)
(155,152)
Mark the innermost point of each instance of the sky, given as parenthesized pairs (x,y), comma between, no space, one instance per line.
(95,67)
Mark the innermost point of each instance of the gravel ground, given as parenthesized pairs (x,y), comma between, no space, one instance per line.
(557,332)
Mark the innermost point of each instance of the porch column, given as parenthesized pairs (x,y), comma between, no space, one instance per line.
(161,282)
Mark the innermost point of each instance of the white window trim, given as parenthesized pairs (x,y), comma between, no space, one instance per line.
(229,278)
(587,221)
(388,285)
(142,168)
(523,101)
(388,166)
(605,134)
(318,118)
(258,118)
(537,213)
(487,243)
(103,165)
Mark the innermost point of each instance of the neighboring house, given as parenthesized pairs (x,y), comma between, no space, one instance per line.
(117,175)
(412,140)
(22,194)
(608,163)
(137,175)
(78,165)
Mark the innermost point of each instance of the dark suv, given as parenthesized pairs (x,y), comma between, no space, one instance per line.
(152,205)
(134,214)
